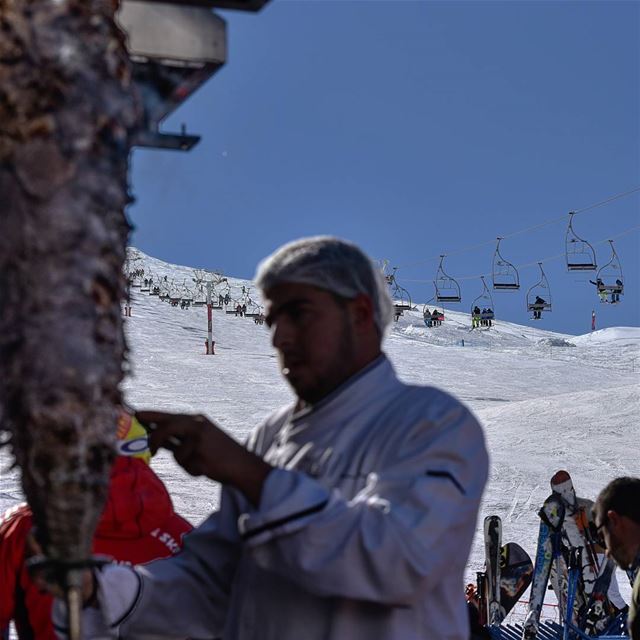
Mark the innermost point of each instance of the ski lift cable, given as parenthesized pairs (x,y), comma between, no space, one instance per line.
(611,199)
(531,264)
(527,230)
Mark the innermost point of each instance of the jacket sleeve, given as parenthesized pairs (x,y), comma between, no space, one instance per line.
(183,596)
(395,538)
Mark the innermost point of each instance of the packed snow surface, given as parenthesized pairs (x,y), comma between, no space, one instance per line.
(547,401)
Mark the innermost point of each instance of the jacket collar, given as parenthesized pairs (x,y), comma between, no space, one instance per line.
(353,396)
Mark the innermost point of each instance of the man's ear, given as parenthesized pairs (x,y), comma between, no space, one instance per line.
(362,312)
(613,517)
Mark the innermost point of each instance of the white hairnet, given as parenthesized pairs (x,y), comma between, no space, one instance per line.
(332,264)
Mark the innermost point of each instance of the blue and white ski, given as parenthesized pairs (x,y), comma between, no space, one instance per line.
(551,518)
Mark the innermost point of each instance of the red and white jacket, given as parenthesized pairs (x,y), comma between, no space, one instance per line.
(138,525)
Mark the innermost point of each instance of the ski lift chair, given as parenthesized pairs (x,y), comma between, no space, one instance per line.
(256,312)
(504,275)
(539,296)
(447,288)
(399,295)
(580,255)
(484,302)
(401,299)
(611,278)
(199,298)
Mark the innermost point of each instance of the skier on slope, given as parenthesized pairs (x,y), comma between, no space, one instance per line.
(350,514)
(138,525)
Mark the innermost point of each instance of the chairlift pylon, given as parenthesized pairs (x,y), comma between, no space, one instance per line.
(485,314)
(504,275)
(609,279)
(447,288)
(539,296)
(580,255)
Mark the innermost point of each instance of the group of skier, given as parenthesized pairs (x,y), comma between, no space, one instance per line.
(609,293)
(433,318)
(482,317)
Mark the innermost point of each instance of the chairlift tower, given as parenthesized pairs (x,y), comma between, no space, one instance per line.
(175,46)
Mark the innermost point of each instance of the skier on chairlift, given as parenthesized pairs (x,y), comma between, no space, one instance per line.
(475,317)
(488,316)
(538,306)
(616,291)
(426,314)
(602,289)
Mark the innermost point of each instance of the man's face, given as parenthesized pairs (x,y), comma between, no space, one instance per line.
(313,334)
(615,533)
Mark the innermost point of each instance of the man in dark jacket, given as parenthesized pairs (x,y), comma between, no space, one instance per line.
(617,521)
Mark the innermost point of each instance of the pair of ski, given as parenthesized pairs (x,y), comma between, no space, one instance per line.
(564,524)
(507,574)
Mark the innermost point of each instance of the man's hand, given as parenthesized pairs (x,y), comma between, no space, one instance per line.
(203,449)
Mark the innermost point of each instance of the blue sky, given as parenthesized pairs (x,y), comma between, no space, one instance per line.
(413,129)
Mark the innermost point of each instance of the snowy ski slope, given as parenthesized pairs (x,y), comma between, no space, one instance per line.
(547,400)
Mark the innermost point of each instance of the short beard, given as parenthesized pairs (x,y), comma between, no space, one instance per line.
(338,371)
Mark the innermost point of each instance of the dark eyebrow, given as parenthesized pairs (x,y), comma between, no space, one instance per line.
(294,302)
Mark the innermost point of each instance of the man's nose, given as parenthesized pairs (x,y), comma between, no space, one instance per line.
(281,334)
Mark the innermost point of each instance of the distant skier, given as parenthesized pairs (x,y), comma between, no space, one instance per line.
(427,317)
